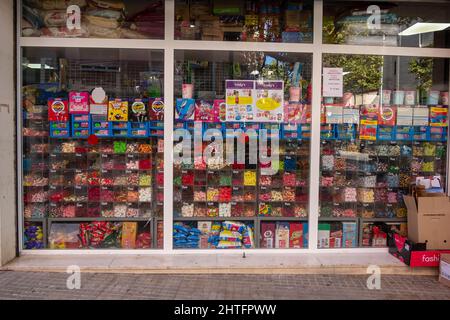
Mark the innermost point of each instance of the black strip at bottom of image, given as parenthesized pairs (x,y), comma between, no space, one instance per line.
(226,309)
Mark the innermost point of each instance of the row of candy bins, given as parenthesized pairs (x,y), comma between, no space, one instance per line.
(100,234)
(213,234)
(284,235)
(33,236)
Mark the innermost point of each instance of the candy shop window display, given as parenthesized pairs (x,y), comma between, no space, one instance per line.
(253,21)
(400,23)
(89,158)
(366,173)
(93,19)
(229,184)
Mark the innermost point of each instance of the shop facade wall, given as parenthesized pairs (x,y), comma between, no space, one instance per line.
(7,137)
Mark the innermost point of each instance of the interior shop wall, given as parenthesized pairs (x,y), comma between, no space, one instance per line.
(7,134)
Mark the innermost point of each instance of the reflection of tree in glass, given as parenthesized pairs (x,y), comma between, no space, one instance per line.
(362,73)
(422,68)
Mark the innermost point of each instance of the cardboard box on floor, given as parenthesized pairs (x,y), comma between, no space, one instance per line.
(429,220)
(444,269)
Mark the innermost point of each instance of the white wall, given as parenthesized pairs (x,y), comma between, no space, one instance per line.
(7,134)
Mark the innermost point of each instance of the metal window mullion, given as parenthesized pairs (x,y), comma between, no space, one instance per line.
(314,175)
(169,14)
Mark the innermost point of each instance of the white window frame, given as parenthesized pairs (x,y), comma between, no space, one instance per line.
(169,45)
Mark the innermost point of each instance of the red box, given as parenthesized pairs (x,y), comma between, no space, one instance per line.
(295,235)
(268,235)
(58,110)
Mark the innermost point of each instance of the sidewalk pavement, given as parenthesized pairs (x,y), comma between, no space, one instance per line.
(52,285)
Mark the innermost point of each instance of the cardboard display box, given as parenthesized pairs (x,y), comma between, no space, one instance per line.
(429,220)
(411,253)
(444,269)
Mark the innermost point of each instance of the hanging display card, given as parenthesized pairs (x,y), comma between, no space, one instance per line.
(293,112)
(98,102)
(58,110)
(404,116)
(350,115)
(205,111)
(368,129)
(333,82)
(239,100)
(387,115)
(334,114)
(78,102)
(438,117)
(221,106)
(420,116)
(156,109)
(269,101)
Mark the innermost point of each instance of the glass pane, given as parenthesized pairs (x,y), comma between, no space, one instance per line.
(398,24)
(127,19)
(92,159)
(384,124)
(236,20)
(241,157)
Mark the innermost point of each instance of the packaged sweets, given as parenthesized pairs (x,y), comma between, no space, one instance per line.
(295,235)
(118,110)
(78,102)
(206,111)
(98,103)
(58,110)
(220,106)
(282,235)
(267,235)
(184,109)
(156,109)
(129,230)
(138,110)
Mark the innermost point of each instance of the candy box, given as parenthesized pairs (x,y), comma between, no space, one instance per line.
(323,236)
(184,109)
(293,112)
(267,235)
(220,106)
(58,110)
(444,269)
(205,228)
(156,109)
(349,234)
(129,231)
(78,102)
(387,115)
(295,235)
(205,111)
(282,235)
(138,110)
(118,110)
(98,103)
(335,236)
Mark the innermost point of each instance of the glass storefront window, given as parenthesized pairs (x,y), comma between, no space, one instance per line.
(241,166)
(398,24)
(92,148)
(235,20)
(383,133)
(93,19)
